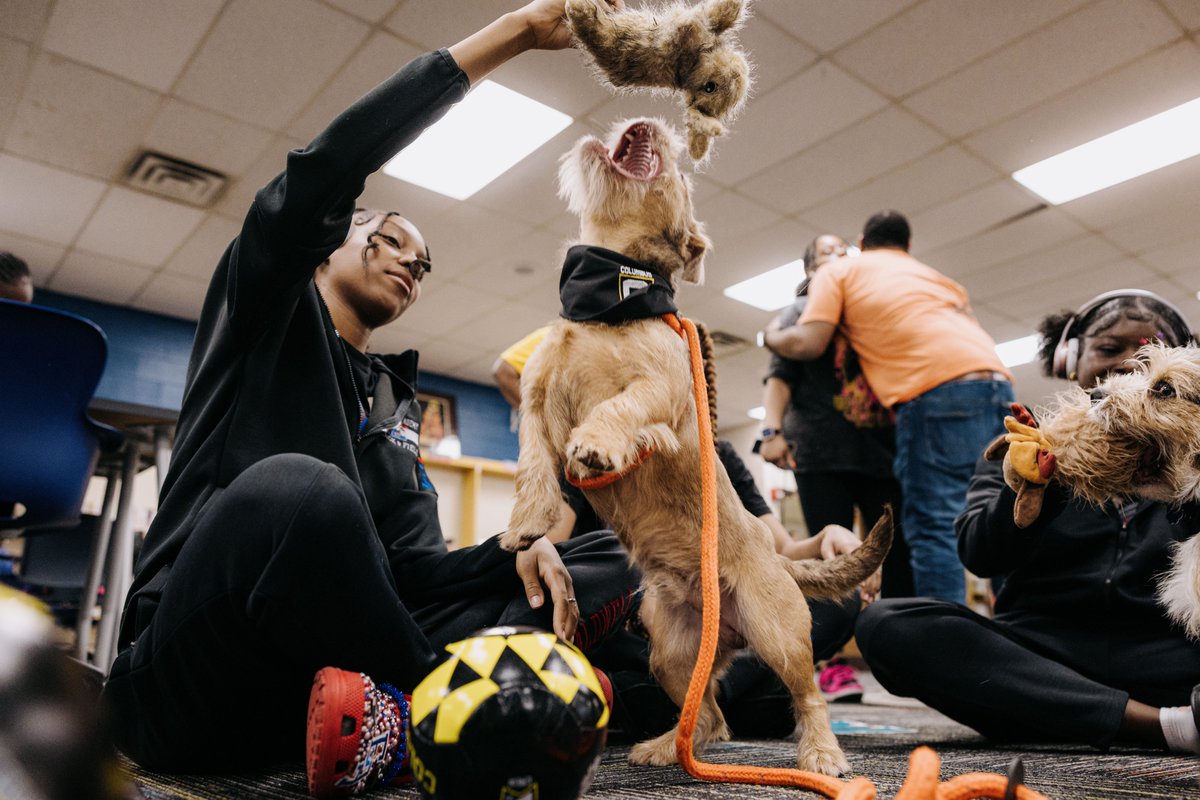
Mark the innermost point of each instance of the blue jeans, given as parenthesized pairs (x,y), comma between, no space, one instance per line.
(939,436)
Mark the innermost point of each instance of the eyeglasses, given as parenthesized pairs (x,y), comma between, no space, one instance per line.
(417,267)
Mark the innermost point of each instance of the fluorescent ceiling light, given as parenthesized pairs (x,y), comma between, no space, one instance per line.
(758,412)
(771,290)
(477,141)
(1142,147)
(1019,351)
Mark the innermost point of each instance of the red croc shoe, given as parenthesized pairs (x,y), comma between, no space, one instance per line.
(357,733)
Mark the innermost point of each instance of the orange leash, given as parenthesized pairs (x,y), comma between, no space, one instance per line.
(710,610)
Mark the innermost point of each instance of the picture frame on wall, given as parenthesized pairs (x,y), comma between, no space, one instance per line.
(439,423)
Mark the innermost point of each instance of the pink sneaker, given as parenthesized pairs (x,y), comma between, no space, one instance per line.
(839,682)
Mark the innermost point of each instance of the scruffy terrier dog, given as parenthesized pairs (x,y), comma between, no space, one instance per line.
(595,396)
(1138,435)
(676,46)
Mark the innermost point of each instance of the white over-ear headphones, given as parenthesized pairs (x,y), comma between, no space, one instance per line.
(1066,352)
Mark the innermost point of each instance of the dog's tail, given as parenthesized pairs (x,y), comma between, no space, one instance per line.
(828,580)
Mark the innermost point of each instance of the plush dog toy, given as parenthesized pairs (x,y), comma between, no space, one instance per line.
(677,46)
(1028,463)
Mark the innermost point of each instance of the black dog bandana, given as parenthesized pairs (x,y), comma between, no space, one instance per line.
(599,285)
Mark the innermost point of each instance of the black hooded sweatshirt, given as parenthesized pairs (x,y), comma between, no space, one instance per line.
(268,374)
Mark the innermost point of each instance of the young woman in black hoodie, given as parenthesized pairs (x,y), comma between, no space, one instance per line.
(297,526)
(1079,650)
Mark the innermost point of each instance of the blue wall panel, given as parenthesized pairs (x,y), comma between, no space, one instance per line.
(148,356)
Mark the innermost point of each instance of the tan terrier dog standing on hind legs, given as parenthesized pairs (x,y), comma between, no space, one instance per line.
(610,383)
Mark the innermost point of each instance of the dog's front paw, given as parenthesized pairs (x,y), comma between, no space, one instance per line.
(824,760)
(657,752)
(589,458)
(514,540)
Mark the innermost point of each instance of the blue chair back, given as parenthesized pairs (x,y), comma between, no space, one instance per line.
(50,364)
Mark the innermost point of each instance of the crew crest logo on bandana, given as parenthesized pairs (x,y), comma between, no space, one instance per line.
(633,280)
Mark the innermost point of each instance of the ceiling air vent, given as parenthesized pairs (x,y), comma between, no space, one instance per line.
(176,179)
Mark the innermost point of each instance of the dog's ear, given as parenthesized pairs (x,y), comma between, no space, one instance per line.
(724,15)
(694,248)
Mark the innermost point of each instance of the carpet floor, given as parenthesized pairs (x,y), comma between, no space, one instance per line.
(877,741)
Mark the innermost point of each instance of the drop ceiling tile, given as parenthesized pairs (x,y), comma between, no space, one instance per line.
(850,158)
(1186,11)
(445,305)
(1041,231)
(138,228)
(202,137)
(1181,258)
(775,54)
(1071,291)
(998,325)
(1075,257)
(723,314)
(438,354)
(24,19)
(1094,39)
(927,182)
(41,257)
(940,37)
(477,371)
(468,236)
(827,25)
(494,331)
(96,277)
(1155,83)
(529,190)
(238,196)
(1144,231)
(175,295)
(527,273)
(52,205)
(145,41)
(368,10)
(428,25)
(561,80)
(200,253)
(66,118)
(417,204)
(276,69)
(777,244)
(14,66)
(381,57)
(967,214)
(730,217)
(817,103)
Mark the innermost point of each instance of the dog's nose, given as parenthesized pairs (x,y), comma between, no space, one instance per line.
(1098,394)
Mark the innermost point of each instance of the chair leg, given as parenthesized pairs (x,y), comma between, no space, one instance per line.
(96,563)
(119,574)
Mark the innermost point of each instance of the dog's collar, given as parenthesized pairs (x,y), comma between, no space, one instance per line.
(600,285)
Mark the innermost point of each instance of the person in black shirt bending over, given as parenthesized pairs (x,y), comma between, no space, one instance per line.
(297,526)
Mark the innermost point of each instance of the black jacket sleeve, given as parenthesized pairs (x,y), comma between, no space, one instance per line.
(303,215)
(742,480)
(989,542)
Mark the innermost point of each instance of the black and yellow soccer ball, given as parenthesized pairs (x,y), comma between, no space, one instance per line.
(514,714)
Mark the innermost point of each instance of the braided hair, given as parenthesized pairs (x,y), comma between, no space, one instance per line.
(710,374)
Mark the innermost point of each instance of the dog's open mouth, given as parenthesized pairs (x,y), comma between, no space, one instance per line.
(1150,465)
(635,156)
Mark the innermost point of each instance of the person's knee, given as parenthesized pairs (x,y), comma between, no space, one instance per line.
(880,623)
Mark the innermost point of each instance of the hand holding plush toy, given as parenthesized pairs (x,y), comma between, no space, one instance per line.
(677,46)
(1028,463)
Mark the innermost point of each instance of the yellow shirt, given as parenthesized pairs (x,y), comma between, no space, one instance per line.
(912,327)
(518,354)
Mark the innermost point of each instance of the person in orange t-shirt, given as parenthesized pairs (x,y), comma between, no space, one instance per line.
(927,358)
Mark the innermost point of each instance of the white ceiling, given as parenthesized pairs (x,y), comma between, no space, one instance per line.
(925,106)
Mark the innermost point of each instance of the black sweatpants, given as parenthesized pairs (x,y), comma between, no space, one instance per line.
(284,574)
(754,701)
(1023,680)
(829,498)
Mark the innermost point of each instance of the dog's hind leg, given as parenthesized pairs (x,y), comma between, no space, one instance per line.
(778,626)
(673,652)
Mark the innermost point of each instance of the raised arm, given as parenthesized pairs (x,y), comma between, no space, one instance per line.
(802,342)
